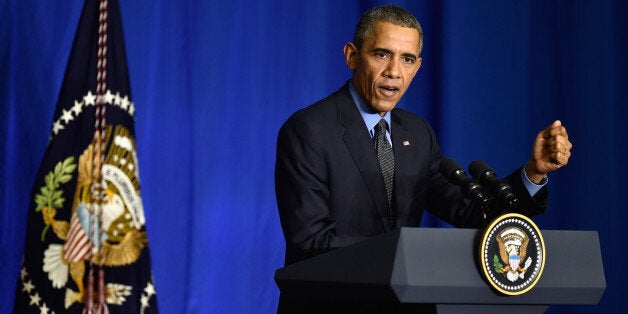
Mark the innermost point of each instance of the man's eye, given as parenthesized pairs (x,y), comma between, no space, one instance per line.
(381,54)
(408,60)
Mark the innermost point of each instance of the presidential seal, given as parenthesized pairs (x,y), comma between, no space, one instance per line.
(512,254)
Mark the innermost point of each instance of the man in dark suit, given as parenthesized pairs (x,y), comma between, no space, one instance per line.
(330,188)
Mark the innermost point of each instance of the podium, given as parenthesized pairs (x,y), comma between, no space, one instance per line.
(440,266)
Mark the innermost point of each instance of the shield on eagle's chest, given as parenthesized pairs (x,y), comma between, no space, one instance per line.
(513,261)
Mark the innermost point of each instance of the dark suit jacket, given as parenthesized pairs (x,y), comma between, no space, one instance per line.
(330,190)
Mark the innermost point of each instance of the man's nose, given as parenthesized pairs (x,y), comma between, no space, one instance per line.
(392,69)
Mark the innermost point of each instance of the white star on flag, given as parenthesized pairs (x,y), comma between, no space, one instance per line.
(108,97)
(35,299)
(28,286)
(56,127)
(66,116)
(43,309)
(89,99)
(125,102)
(117,100)
(77,108)
(150,289)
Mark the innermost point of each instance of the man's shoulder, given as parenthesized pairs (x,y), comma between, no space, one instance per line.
(324,110)
(408,117)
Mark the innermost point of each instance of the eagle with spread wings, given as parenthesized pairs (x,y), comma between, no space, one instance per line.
(505,253)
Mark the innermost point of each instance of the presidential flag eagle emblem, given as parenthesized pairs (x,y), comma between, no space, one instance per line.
(512,254)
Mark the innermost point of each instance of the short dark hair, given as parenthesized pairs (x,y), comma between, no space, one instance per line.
(386,13)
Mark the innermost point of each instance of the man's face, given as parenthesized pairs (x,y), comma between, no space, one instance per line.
(385,64)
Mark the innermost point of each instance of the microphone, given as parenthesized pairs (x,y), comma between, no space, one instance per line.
(469,187)
(499,188)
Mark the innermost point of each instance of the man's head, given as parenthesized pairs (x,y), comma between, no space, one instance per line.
(387,13)
(384,55)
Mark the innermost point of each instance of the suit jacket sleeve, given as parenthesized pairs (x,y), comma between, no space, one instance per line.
(531,205)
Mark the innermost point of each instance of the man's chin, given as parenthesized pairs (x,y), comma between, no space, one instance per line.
(384,107)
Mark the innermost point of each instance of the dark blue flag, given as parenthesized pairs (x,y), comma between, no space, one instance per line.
(86,245)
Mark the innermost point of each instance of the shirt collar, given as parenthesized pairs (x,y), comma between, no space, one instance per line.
(370,117)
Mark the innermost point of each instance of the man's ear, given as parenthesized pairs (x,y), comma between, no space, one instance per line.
(419,62)
(351,53)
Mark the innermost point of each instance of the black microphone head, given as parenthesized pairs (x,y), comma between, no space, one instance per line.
(500,189)
(478,168)
(449,167)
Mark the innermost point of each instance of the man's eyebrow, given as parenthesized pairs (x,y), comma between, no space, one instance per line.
(409,55)
(384,50)
(388,51)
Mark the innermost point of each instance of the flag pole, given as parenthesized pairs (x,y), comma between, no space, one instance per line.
(98,189)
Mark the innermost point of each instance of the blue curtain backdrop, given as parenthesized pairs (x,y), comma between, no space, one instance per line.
(214,80)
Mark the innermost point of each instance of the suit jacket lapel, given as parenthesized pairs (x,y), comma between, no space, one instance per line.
(361,147)
(403,147)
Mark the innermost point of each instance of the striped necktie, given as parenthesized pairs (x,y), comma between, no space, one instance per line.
(386,162)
